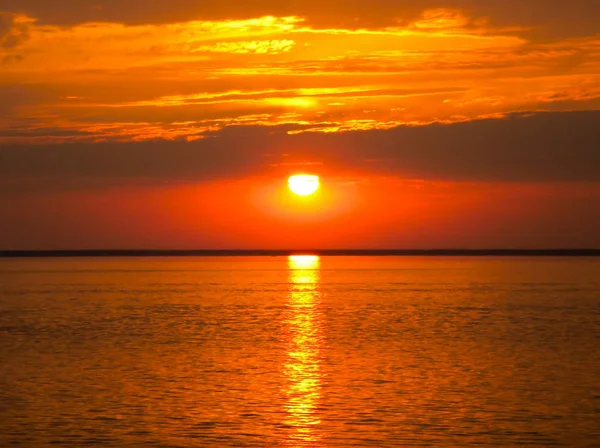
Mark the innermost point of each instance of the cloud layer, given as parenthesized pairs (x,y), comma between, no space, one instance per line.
(106,71)
(547,147)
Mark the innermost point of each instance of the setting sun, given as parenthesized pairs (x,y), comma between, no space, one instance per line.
(303,185)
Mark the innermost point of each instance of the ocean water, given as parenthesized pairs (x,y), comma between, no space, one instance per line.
(300,352)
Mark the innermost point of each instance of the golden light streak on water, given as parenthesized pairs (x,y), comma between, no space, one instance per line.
(303,364)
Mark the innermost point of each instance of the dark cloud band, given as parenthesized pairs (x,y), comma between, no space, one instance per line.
(560,146)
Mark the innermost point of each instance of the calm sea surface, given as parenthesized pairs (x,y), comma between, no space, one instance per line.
(300,352)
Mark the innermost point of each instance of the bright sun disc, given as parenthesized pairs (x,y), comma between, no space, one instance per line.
(303,184)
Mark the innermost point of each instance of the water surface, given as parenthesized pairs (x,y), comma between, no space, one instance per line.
(300,352)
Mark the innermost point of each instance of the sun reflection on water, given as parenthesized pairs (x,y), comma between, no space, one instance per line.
(302,367)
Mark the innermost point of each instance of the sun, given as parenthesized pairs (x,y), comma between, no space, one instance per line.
(303,184)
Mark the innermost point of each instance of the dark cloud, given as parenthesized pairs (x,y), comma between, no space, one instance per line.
(538,147)
(11,32)
(555,17)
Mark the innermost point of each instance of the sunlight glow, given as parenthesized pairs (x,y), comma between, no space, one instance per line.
(303,261)
(303,184)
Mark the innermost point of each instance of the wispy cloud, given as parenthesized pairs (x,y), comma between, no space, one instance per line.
(99,81)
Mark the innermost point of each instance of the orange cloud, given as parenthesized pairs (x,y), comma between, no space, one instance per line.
(108,81)
(441,19)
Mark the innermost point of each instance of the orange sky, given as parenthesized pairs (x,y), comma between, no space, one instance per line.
(176,125)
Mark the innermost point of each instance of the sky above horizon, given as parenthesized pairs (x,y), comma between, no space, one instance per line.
(175,124)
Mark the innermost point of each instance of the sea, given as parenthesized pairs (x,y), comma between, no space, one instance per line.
(300,351)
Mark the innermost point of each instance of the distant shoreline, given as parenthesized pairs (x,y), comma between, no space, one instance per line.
(287,252)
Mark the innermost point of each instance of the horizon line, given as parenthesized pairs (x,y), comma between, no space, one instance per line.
(74,253)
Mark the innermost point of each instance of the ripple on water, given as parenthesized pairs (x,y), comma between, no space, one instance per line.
(302,353)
